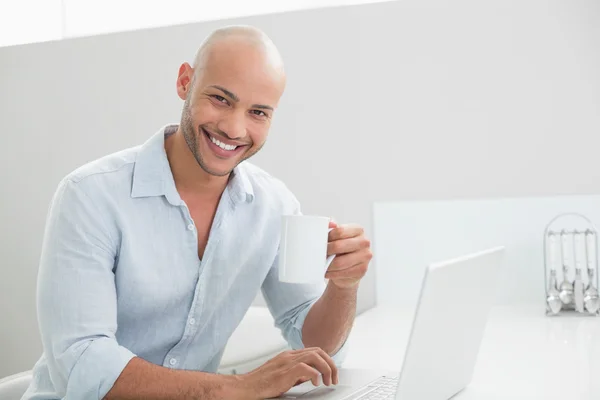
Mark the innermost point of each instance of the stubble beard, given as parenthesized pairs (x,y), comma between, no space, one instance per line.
(189,134)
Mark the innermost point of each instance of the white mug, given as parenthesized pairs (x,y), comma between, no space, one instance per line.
(303,249)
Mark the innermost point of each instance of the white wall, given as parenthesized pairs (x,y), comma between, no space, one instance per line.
(411,234)
(60,19)
(92,17)
(19,25)
(480,98)
(401,100)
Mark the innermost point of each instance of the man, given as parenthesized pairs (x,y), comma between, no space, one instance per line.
(153,255)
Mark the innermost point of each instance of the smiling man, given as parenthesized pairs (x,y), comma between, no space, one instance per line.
(153,255)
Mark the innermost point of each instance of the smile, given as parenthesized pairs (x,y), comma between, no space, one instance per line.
(222,150)
(222,145)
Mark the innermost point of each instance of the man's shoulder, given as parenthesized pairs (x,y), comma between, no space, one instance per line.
(111,167)
(103,182)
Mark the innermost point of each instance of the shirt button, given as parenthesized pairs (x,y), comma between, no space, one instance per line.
(191,227)
(192,321)
(173,361)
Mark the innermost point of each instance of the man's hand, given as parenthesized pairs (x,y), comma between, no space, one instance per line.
(353,254)
(288,369)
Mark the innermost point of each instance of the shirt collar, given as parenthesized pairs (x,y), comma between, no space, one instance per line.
(152,175)
(240,186)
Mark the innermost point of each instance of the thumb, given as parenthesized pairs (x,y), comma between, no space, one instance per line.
(332,223)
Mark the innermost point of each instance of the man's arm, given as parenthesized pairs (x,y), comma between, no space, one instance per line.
(77,309)
(143,380)
(319,315)
(330,319)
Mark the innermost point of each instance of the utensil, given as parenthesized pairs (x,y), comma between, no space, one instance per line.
(578,283)
(553,299)
(591,299)
(578,291)
(566,287)
(553,296)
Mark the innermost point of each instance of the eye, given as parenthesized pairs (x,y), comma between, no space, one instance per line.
(220,99)
(259,113)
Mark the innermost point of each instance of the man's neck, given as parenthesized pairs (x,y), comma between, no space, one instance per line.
(190,178)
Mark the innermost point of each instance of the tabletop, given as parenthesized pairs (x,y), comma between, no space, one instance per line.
(524,354)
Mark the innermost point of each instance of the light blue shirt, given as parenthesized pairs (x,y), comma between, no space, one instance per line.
(120,275)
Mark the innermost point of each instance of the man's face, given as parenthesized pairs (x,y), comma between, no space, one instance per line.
(229,108)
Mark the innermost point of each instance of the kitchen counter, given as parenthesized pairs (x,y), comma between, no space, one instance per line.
(524,354)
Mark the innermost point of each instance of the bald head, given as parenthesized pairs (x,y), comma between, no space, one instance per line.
(231,94)
(238,38)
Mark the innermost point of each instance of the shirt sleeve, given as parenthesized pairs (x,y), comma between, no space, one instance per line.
(289,303)
(76,297)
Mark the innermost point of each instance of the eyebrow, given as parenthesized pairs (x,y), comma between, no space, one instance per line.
(236,99)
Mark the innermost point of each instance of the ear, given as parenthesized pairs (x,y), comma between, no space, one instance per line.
(184,80)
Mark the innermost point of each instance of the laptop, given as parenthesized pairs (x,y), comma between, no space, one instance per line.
(450,319)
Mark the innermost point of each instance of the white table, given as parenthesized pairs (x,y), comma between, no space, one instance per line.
(524,354)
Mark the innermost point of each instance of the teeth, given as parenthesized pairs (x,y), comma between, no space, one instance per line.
(223,145)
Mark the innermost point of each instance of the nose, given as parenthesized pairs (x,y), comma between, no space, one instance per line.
(233,125)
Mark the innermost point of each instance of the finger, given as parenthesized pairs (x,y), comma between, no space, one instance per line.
(332,223)
(325,356)
(343,246)
(315,359)
(302,380)
(305,372)
(347,261)
(346,231)
(329,360)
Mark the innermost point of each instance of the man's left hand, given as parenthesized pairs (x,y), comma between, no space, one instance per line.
(353,254)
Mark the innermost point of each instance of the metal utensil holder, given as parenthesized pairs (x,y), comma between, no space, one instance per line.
(575,238)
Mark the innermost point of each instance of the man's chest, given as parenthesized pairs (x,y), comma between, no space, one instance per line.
(203,218)
(163,237)
(159,256)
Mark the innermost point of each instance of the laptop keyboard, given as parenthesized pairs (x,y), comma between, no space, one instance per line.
(383,388)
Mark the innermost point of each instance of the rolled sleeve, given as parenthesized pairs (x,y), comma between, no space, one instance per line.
(76,296)
(295,333)
(97,368)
